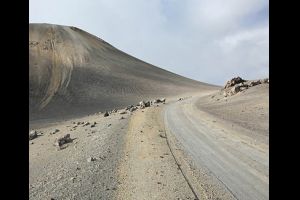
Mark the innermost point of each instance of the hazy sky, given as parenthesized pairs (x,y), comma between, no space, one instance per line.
(206,40)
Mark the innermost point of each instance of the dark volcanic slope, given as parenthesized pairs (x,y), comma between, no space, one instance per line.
(72,72)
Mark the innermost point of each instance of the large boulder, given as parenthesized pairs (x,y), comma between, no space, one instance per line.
(33,134)
(106,114)
(254,83)
(147,104)
(129,107)
(234,81)
(162,100)
(142,104)
(63,140)
(266,80)
(133,109)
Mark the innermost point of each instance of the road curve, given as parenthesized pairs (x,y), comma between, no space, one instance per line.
(241,166)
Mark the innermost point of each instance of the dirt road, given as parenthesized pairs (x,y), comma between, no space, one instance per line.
(171,151)
(236,161)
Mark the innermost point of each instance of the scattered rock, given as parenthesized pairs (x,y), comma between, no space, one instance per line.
(54,131)
(114,111)
(237,85)
(147,104)
(109,125)
(86,124)
(142,104)
(254,83)
(106,114)
(91,159)
(235,89)
(63,140)
(129,107)
(162,136)
(133,109)
(155,101)
(122,117)
(266,80)
(180,99)
(33,134)
(122,112)
(163,100)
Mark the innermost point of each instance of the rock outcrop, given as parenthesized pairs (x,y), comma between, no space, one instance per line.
(238,84)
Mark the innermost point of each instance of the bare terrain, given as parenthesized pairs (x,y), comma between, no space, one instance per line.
(163,136)
(235,156)
(73,73)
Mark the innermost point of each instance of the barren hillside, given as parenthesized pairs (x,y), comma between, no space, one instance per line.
(72,73)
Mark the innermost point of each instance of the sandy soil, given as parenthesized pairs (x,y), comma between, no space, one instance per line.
(180,150)
(227,160)
(66,173)
(247,112)
(132,160)
(149,170)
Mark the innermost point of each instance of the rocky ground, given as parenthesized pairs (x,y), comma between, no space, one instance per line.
(247,110)
(112,155)
(84,168)
(131,154)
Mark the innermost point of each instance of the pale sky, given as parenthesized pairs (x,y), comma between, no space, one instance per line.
(206,40)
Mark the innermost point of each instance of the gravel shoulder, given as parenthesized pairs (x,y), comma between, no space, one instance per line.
(149,170)
(117,159)
(67,173)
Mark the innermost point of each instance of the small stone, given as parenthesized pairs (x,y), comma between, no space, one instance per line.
(106,114)
(129,107)
(91,159)
(133,109)
(86,123)
(54,131)
(147,104)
